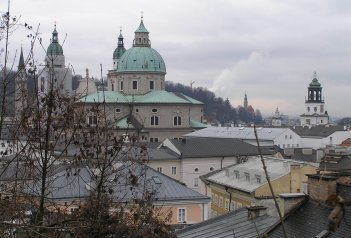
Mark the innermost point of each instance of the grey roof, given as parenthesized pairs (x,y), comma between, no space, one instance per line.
(247,133)
(77,183)
(253,167)
(165,188)
(232,224)
(214,147)
(300,154)
(316,131)
(310,219)
(338,164)
(162,153)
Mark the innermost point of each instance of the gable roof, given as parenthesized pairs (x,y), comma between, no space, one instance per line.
(231,224)
(247,133)
(213,147)
(253,168)
(76,183)
(156,96)
(317,131)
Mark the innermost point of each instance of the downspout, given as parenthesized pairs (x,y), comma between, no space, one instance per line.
(230,197)
(222,162)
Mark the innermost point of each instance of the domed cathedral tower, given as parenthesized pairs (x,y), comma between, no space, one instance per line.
(315,113)
(55,71)
(119,51)
(140,69)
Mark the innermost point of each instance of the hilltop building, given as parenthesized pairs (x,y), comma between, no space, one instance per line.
(315,113)
(55,73)
(136,100)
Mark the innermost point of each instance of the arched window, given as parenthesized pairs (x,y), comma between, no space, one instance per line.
(177,121)
(154,121)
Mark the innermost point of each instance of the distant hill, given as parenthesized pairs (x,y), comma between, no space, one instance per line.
(216,109)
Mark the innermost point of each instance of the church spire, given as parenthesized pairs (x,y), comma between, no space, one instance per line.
(141,35)
(21,61)
(245,101)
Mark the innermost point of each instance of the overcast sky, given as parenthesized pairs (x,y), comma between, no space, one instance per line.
(268,49)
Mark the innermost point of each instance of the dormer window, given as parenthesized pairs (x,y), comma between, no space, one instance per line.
(247,176)
(258,179)
(237,174)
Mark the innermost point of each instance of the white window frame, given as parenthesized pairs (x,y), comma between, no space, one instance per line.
(154,120)
(196,182)
(159,169)
(181,215)
(177,121)
(174,170)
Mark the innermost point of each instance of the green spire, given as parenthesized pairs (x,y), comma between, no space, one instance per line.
(54,48)
(21,60)
(315,82)
(141,28)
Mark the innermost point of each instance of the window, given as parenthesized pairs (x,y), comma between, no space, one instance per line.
(135,84)
(196,170)
(152,85)
(153,139)
(220,202)
(290,136)
(177,121)
(286,137)
(174,170)
(315,109)
(239,204)
(237,174)
(196,183)
(92,120)
(226,205)
(159,169)
(154,121)
(121,85)
(232,205)
(113,87)
(136,110)
(181,215)
(154,110)
(247,176)
(118,110)
(211,169)
(258,178)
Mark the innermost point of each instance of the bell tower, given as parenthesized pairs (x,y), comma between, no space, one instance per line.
(315,113)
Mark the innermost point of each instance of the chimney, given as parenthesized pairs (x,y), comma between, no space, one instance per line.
(319,155)
(288,201)
(322,187)
(256,211)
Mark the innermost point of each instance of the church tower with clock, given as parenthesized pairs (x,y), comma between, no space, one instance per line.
(315,113)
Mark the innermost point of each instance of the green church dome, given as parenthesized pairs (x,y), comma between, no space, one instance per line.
(54,48)
(141,59)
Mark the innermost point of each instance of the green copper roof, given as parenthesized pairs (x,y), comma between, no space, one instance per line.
(315,82)
(141,28)
(141,59)
(197,124)
(118,52)
(123,124)
(110,97)
(161,97)
(54,48)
